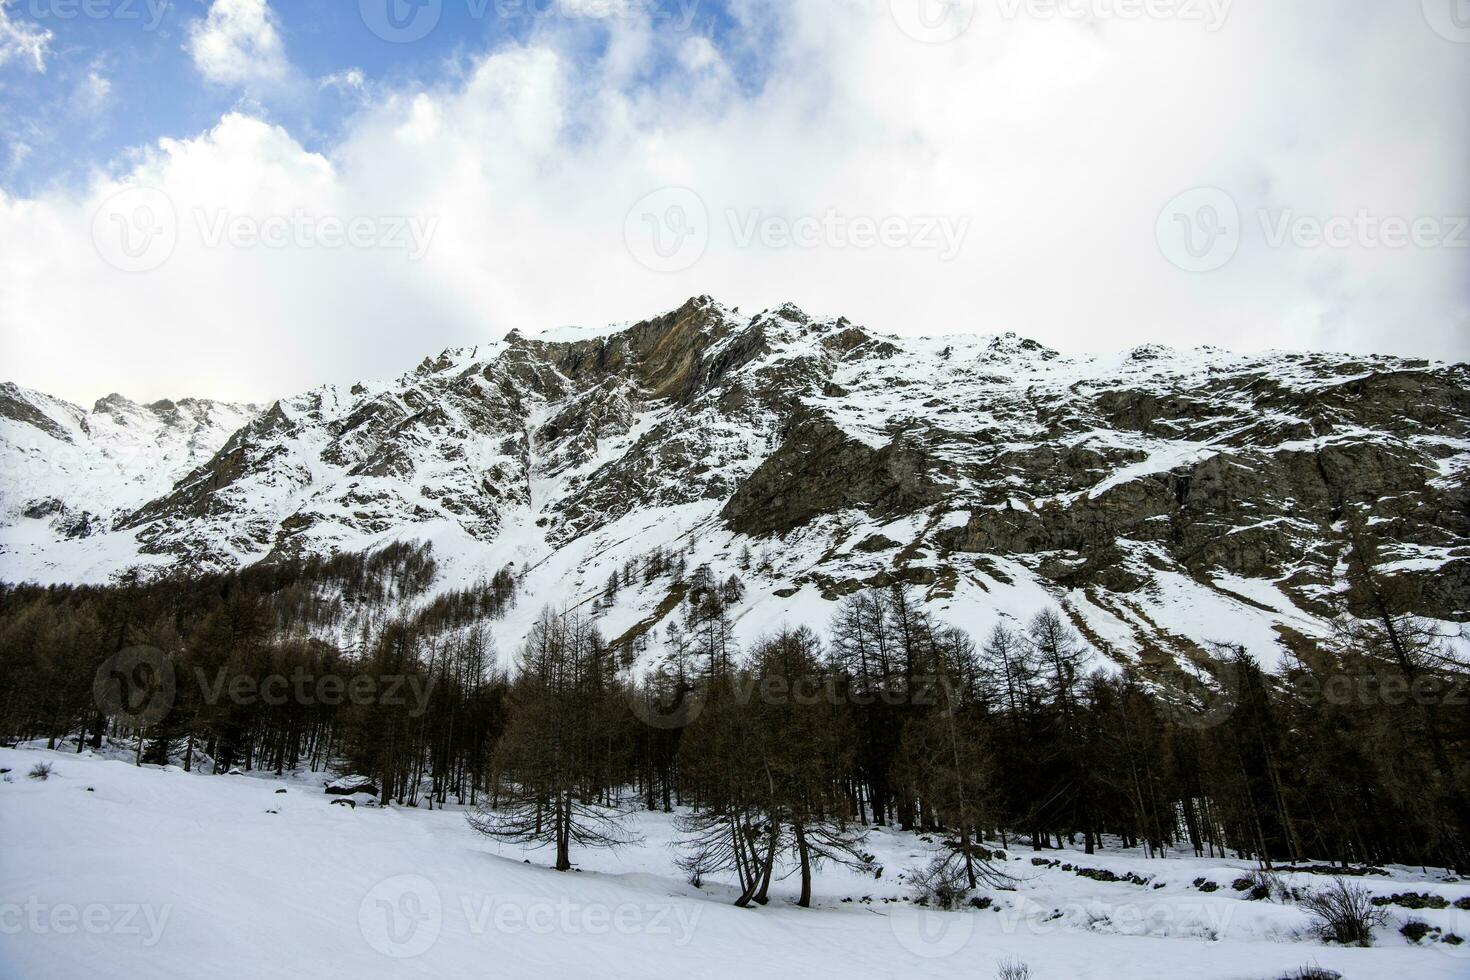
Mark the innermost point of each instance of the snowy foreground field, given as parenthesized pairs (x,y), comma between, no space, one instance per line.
(111,871)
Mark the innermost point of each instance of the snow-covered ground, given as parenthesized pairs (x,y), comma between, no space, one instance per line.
(111,871)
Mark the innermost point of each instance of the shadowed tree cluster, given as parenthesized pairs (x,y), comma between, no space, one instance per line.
(779,756)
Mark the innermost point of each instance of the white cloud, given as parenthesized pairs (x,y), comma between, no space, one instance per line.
(697,53)
(1059,142)
(93,93)
(347,80)
(237,43)
(20,151)
(21,40)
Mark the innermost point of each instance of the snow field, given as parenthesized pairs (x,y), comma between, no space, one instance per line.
(107,870)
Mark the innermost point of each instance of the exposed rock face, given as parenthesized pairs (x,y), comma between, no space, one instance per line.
(1196,494)
(819,470)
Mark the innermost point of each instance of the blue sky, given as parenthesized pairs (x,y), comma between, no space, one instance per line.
(176,183)
(59,124)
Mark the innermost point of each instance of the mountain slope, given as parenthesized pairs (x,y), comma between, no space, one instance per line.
(68,476)
(1164,498)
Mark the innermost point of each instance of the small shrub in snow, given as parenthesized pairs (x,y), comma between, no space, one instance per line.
(1415,930)
(940,883)
(1344,913)
(41,771)
(1262,886)
(1313,973)
(1012,970)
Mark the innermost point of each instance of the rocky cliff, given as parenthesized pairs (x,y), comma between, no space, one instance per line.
(1159,496)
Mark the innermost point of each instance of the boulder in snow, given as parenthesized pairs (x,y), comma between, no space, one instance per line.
(348,785)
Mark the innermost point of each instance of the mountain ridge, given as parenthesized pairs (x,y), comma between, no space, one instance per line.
(1201,495)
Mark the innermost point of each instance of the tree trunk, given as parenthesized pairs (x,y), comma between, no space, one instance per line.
(563,836)
(804,854)
(969,857)
(768,864)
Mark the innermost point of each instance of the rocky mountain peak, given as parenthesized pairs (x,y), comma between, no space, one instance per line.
(1196,496)
(113,404)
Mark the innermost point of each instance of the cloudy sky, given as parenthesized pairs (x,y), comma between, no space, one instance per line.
(246,198)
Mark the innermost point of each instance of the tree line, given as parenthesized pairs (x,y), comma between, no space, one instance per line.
(784,754)
(775,756)
(313,663)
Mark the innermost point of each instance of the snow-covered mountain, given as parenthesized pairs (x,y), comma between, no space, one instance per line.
(68,476)
(1162,497)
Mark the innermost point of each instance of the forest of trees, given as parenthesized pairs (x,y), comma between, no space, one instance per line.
(779,754)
